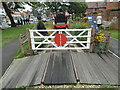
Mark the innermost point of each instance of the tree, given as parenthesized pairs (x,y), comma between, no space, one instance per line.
(71,7)
(77,7)
(10,7)
(54,6)
(37,8)
(8,12)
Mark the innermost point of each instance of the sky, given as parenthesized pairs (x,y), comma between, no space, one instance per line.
(27,7)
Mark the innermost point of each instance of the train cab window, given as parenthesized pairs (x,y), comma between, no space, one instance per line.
(60,18)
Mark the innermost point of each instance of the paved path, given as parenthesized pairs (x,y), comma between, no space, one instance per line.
(8,53)
(114,46)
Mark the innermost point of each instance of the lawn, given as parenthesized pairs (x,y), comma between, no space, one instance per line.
(114,33)
(9,34)
(19,54)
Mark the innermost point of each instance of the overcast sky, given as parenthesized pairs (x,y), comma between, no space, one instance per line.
(27,7)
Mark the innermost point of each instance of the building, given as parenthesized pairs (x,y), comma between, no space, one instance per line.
(95,7)
(110,11)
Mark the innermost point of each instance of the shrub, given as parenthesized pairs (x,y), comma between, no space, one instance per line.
(85,19)
(71,21)
(77,19)
(94,12)
(100,42)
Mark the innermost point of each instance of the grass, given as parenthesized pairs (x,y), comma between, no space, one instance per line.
(114,33)
(12,33)
(78,25)
(48,25)
(19,53)
(78,85)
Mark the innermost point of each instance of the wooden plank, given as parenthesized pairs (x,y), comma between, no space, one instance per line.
(9,75)
(18,73)
(79,67)
(95,79)
(97,71)
(41,68)
(29,73)
(56,68)
(61,69)
(113,58)
(110,63)
(48,75)
(84,66)
(104,69)
(113,73)
(70,71)
(88,69)
(64,73)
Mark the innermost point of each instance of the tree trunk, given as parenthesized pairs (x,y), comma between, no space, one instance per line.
(8,12)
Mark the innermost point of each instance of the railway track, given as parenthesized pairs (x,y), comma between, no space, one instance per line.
(75,74)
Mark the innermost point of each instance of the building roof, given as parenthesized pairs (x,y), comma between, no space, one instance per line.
(96,4)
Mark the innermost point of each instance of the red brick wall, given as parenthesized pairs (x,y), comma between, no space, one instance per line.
(111,5)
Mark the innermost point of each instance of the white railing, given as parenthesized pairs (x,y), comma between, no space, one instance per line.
(38,40)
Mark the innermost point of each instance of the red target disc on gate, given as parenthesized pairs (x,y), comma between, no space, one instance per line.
(60,39)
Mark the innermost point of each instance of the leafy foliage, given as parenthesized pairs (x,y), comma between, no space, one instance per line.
(72,7)
(100,42)
(77,7)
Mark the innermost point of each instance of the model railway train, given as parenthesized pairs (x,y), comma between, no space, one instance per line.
(60,21)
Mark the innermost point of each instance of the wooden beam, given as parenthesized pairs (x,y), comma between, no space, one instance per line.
(29,42)
(21,44)
(92,41)
(108,42)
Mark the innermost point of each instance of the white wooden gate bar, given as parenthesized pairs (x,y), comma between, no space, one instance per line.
(37,39)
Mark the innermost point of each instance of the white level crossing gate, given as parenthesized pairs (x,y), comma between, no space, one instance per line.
(80,37)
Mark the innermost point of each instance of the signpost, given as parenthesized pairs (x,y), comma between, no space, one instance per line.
(60,39)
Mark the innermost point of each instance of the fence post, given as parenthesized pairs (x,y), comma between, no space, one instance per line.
(21,44)
(108,42)
(29,42)
(92,40)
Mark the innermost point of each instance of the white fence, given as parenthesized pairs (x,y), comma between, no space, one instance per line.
(82,38)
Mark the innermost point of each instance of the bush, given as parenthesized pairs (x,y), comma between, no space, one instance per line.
(78,27)
(85,19)
(71,21)
(94,12)
(100,42)
(77,19)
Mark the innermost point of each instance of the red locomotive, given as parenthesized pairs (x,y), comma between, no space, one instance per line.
(60,21)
